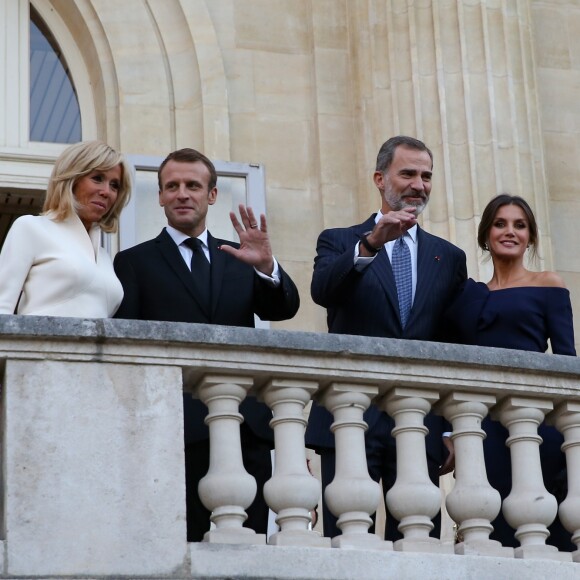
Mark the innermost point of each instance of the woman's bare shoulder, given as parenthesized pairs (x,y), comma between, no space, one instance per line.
(548,280)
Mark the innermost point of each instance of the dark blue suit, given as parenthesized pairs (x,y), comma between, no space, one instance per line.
(366,303)
(158,285)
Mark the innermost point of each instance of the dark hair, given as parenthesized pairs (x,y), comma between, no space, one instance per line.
(188,155)
(490,212)
(387,150)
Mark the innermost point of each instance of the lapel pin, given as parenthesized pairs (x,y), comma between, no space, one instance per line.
(437,258)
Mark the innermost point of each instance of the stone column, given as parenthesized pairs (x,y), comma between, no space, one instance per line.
(566,417)
(460,76)
(529,508)
(292,492)
(352,496)
(413,500)
(472,503)
(227,489)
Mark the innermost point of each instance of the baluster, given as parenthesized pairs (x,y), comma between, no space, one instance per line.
(566,417)
(352,496)
(472,503)
(529,508)
(413,499)
(227,489)
(292,492)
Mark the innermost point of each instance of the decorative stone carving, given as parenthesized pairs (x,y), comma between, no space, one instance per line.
(566,417)
(227,489)
(413,499)
(352,496)
(529,508)
(292,492)
(472,503)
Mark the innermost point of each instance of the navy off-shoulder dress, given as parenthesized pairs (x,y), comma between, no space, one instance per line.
(521,318)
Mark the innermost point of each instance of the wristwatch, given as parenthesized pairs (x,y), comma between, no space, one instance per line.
(366,244)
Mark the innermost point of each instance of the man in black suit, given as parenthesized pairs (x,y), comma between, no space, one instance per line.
(354,280)
(187,275)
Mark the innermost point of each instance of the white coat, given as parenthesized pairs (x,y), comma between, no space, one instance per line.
(51,268)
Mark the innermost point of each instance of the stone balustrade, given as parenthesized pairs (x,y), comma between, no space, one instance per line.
(92,452)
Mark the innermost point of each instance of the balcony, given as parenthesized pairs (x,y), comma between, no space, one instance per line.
(92,451)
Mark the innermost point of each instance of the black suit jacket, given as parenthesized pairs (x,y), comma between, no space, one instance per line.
(366,303)
(158,285)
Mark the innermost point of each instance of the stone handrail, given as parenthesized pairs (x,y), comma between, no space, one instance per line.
(93,475)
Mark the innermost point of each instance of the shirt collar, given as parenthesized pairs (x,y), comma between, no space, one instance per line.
(411,231)
(179,237)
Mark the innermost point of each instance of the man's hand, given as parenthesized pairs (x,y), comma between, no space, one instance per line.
(391,226)
(255,248)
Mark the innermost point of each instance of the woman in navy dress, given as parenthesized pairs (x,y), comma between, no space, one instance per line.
(517,309)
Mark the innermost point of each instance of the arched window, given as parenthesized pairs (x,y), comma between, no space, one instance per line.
(54,108)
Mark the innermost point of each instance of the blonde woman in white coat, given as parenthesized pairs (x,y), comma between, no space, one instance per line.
(53,264)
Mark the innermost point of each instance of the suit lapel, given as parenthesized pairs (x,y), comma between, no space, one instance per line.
(384,271)
(171,254)
(218,268)
(381,267)
(426,269)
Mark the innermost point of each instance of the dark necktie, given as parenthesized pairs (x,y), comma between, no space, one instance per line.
(403,278)
(200,272)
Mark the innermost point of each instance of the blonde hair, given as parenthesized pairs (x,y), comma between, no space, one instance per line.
(75,162)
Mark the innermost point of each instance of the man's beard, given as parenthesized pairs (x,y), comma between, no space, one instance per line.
(398,203)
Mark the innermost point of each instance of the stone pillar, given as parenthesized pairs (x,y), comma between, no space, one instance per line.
(92,469)
(472,503)
(529,508)
(227,489)
(460,76)
(566,417)
(413,500)
(292,492)
(352,496)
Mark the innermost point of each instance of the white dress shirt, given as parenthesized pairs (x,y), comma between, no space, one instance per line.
(187,253)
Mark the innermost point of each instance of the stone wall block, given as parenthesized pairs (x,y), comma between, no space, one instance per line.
(93,468)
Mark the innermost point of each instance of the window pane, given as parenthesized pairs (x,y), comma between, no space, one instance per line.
(231,192)
(149,216)
(54,109)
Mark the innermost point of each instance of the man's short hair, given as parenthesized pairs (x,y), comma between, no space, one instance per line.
(188,155)
(387,150)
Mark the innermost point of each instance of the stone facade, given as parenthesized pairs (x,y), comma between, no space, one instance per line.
(311,88)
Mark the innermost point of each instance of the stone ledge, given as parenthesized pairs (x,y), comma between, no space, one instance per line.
(286,563)
(293,342)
